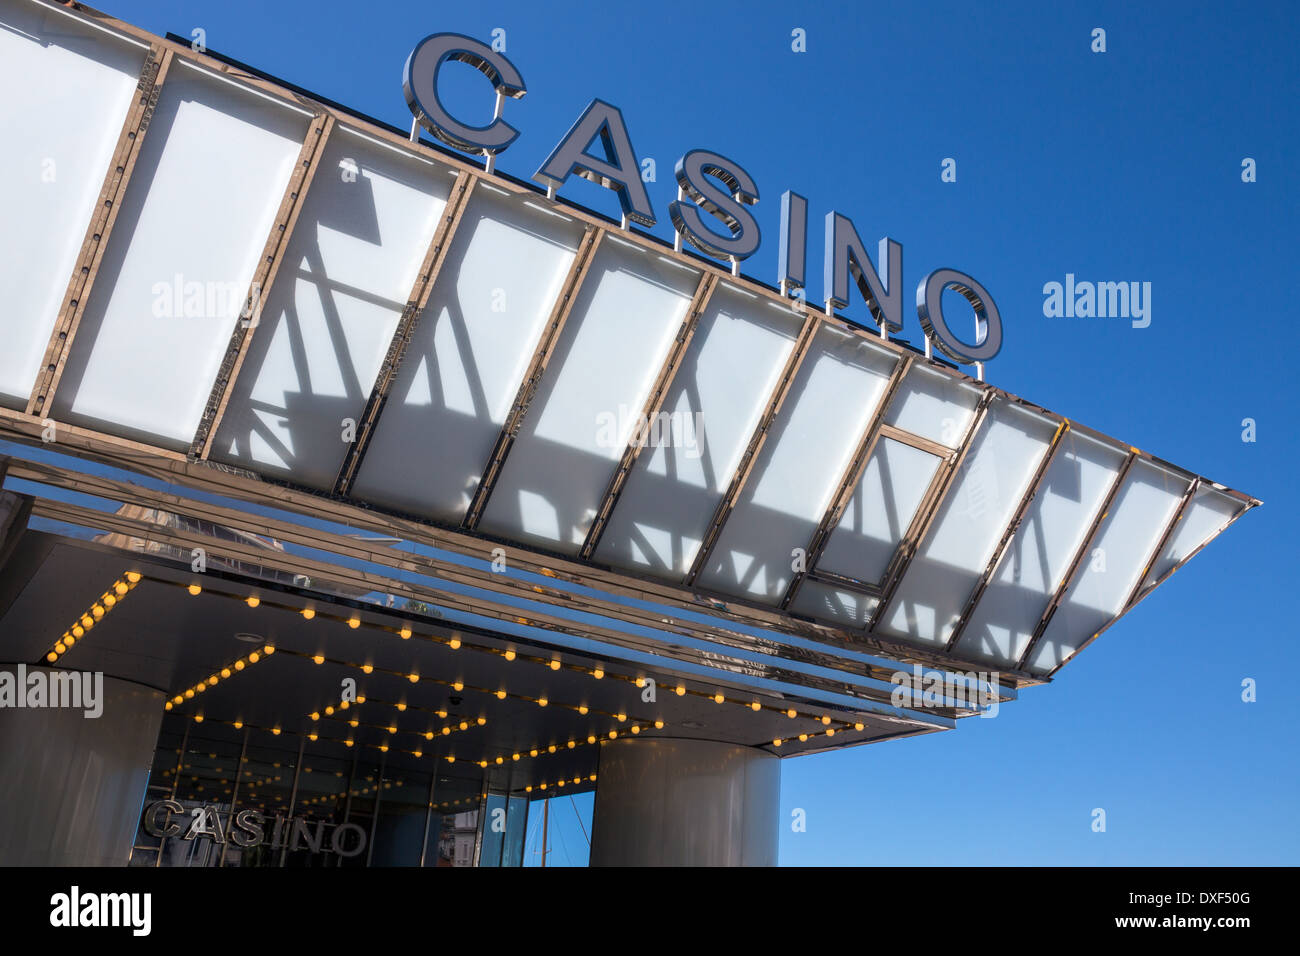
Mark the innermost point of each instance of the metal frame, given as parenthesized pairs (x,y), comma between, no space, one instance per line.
(1031,492)
(542,355)
(653,404)
(169,465)
(122,166)
(286,219)
(1084,547)
(416,303)
(928,510)
(849,481)
(723,511)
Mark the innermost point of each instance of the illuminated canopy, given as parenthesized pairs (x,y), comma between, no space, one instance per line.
(216,280)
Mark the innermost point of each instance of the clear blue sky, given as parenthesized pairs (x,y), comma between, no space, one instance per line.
(1117,166)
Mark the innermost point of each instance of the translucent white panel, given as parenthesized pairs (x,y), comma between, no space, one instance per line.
(933,405)
(52,69)
(834,395)
(1208,512)
(971,521)
(351,265)
(1107,574)
(624,320)
(181,259)
(504,272)
(834,605)
(1039,555)
(880,511)
(729,370)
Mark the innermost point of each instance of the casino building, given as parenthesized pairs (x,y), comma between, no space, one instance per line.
(391,495)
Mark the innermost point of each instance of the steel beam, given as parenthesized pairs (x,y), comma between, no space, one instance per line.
(416,303)
(653,404)
(125,154)
(994,562)
(533,376)
(1084,547)
(848,481)
(286,218)
(803,344)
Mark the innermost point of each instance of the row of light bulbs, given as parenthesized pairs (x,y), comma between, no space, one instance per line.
(118,590)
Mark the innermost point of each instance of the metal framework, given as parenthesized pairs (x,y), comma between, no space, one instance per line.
(406,325)
(1013,526)
(152,75)
(848,481)
(532,378)
(1084,547)
(639,439)
(169,465)
(286,218)
(746,465)
(929,509)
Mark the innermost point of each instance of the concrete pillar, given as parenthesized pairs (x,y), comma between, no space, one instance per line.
(71,786)
(677,802)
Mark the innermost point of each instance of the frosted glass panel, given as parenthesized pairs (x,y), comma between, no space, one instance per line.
(880,511)
(1107,574)
(971,521)
(729,370)
(179,263)
(833,605)
(833,397)
(1039,555)
(624,320)
(504,272)
(52,69)
(351,264)
(1207,512)
(933,405)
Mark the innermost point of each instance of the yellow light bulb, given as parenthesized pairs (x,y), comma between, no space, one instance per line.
(858,726)
(367,668)
(792,713)
(454,643)
(108,600)
(413,678)
(659,725)
(97,612)
(542,702)
(803,737)
(319,659)
(591,738)
(239,665)
(446,730)
(830,731)
(482,721)
(401,707)
(78,630)
(681,689)
(120,589)
(354,622)
(254,657)
(464,725)
(198,718)
(405,633)
(582,709)
(87,621)
(315,715)
(551,749)
(212,681)
(825,719)
(329,710)
(193,589)
(599,674)
(428,735)
(621,717)
(636,728)
(510,654)
(533,752)
(348,742)
(755,706)
(133,576)
(308,613)
(777,742)
(253,600)
(392,729)
(613,735)
(514,756)
(457,686)
(276,731)
(225,672)
(189,695)
(718,698)
(239,725)
(59,648)
(501,695)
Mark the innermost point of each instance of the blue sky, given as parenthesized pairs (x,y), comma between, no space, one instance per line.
(1123,165)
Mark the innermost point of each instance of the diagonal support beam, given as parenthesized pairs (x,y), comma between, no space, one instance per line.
(848,483)
(1000,552)
(406,326)
(1084,547)
(928,512)
(800,351)
(122,165)
(654,403)
(286,218)
(532,378)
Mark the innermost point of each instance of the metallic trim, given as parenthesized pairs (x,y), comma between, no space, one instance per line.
(1084,547)
(416,303)
(667,372)
(533,376)
(1031,492)
(803,345)
(849,481)
(86,270)
(286,218)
